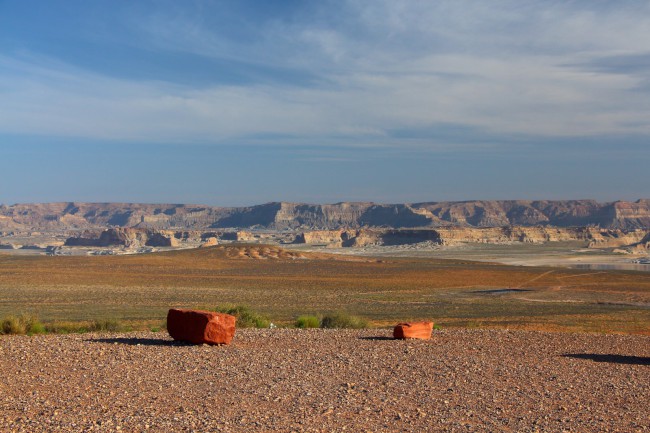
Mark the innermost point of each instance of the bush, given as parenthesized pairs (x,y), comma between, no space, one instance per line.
(307,321)
(21,325)
(246,318)
(343,320)
(12,325)
(64,327)
(105,325)
(36,327)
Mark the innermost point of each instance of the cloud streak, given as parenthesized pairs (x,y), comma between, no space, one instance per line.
(505,69)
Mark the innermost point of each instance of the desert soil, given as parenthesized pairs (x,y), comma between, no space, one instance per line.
(550,254)
(327,380)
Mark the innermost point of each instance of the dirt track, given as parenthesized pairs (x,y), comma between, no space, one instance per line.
(327,380)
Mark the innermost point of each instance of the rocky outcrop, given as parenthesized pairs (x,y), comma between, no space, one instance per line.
(628,215)
(210,242)
(646,239)
(124,237)
(200,327)
(392,237)
(505,235)
(244,236)
(616,238)
(74,216)
(335,238)
(159,239)
(641,247)
(592,236)
(417,330)
(281,215)
(261,252)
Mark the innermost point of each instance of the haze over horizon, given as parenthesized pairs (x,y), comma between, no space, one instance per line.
(241,103)
(319,204)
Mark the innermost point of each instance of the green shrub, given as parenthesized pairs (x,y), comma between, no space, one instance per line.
(58,328)
(307,321)
(66,327)
(36,328)
(106,325)
(21,325)
(246,318)
(342,320)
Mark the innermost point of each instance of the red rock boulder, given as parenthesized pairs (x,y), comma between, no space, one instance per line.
(200,327)
(420,330)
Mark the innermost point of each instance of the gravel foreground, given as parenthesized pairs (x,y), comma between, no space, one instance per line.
(327,380)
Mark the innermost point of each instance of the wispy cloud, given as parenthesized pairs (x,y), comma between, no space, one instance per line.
(504,68)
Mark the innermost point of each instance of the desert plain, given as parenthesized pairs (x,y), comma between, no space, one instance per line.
(284,283)
(315,380)
(517,348)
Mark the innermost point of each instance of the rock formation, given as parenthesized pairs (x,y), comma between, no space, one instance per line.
(281,215)
(418,330)
(210,242)
(158,239)
(616,238)
(200,327)
(596,238)
(124,237)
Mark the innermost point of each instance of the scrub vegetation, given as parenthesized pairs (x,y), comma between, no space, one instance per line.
(137,291)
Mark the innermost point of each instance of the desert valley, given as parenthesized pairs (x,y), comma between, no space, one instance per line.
(553,295)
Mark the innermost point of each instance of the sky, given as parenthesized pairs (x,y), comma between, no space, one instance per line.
(234,103)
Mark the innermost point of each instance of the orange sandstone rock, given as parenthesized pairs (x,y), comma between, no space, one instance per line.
(200,327)
(421,330)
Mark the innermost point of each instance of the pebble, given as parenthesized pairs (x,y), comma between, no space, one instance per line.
(326,380)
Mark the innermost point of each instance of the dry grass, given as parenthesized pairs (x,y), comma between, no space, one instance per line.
(21,324)
(282,286)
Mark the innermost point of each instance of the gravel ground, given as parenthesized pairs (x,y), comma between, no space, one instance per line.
(327,380)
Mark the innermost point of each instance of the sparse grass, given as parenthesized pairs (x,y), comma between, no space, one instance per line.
(66,327)
(107,325)
(138,290)
(12,325)
(25,324)
(343,320)
(101,325)
(36,328)
(473,324)
(246,318)
(21,325)
(307,321)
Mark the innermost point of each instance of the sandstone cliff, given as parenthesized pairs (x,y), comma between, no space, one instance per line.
(593,237)
(124,237)
(357,215)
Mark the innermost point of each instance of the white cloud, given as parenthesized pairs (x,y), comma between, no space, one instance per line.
(502,67)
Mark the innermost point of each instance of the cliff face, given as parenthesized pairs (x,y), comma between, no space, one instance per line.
(125,237)
(631,215)
(568,213)
(65,216)
(593,237)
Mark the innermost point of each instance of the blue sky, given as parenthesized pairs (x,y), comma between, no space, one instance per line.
(244,102)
